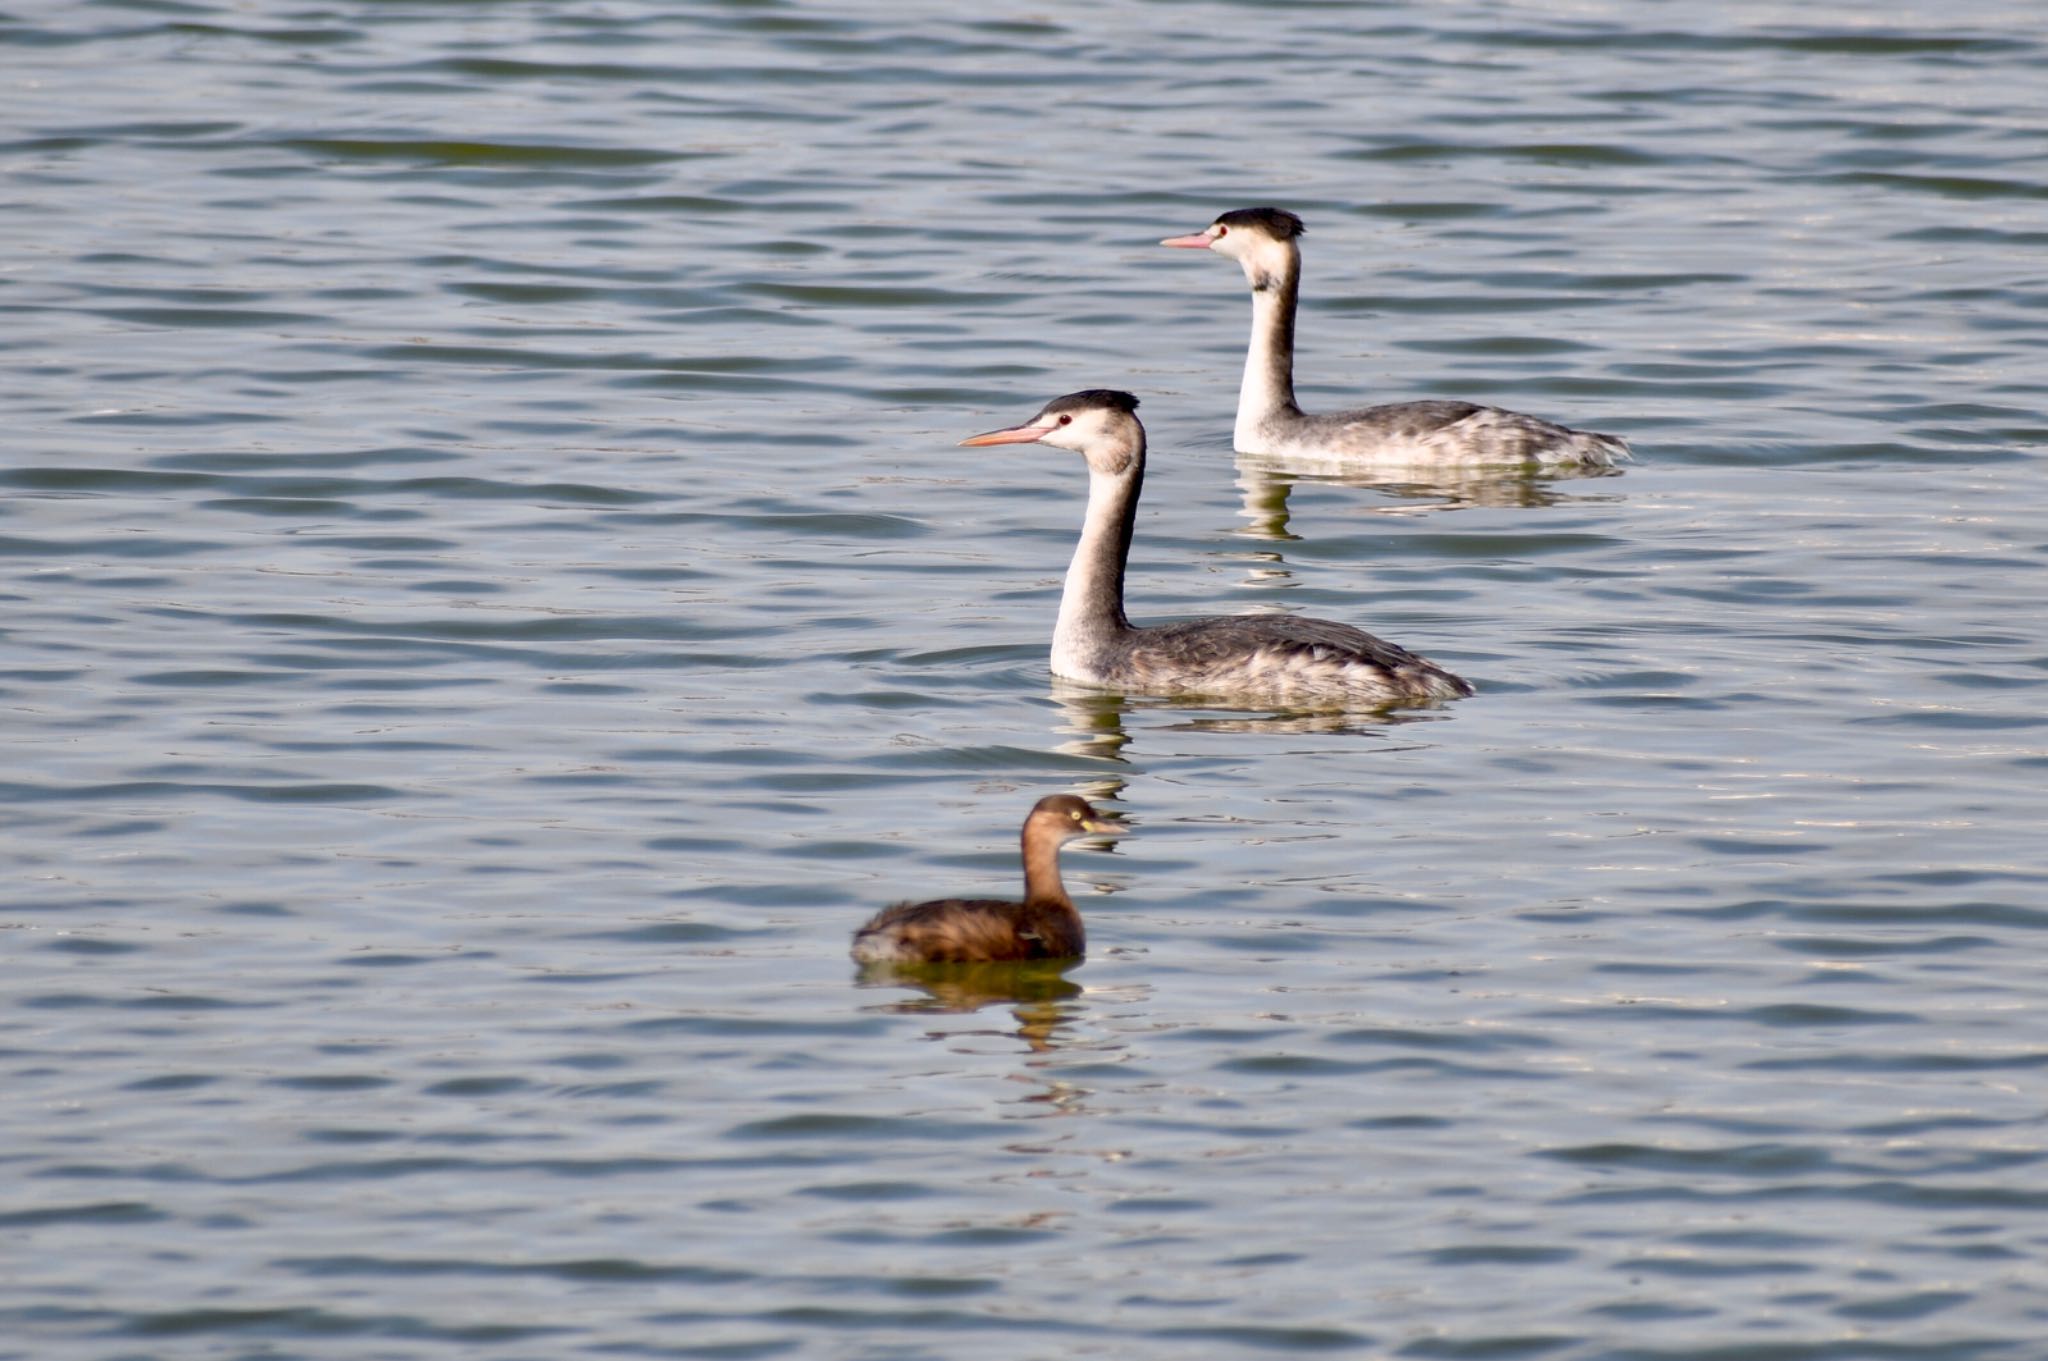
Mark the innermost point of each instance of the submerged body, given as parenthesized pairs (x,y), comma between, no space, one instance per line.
(1045,925)
(1262,658)
(1426,433)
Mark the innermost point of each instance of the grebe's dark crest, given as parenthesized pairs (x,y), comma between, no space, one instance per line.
(1426,433)
(1087,397)
(1277,223)
(1044,925)
(1267,659)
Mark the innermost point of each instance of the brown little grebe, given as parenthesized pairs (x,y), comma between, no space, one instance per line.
(1429,433)
(984,930)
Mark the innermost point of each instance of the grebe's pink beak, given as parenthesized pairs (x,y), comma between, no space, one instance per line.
(1199,241)
(1017,434)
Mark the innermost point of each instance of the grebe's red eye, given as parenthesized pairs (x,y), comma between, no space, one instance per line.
(1222,231)
(1066,420)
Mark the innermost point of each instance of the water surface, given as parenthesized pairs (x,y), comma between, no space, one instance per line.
(492,600)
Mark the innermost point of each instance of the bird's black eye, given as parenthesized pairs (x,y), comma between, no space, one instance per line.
(1068,420)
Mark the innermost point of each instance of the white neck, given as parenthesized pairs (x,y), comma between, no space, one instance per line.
(1092,605)
(1268,387)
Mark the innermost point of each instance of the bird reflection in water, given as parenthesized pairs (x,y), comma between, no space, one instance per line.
(1038,991)
(1092,721)
(1264,481)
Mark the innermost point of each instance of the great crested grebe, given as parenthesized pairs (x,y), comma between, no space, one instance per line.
(989,930)
(1272,659)
(1434,432)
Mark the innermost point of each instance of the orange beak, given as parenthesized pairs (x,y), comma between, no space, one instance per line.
(1016,434)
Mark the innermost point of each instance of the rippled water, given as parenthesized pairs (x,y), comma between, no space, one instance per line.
(492,601)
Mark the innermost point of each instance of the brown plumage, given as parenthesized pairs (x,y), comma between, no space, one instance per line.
(985,930)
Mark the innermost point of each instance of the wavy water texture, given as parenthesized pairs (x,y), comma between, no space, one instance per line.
(492,599)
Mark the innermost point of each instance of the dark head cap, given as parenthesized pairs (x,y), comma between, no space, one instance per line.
(1092,398)
(1075,815)
(1277,223)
